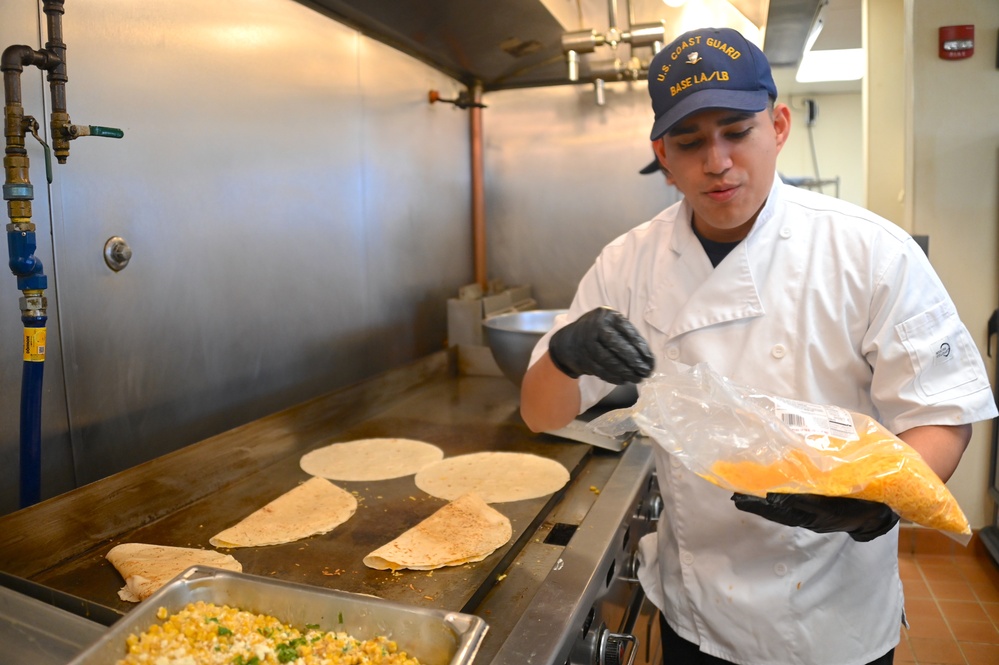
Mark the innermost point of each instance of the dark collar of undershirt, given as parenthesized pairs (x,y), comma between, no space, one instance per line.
(715,250)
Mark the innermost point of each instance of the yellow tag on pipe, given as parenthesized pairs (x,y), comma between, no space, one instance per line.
(34,345)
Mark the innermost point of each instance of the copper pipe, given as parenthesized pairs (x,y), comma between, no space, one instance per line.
(478,190)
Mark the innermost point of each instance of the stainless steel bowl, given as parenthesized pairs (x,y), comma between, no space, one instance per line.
(512,337)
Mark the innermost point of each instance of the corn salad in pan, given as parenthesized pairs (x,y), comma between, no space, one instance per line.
(208,634)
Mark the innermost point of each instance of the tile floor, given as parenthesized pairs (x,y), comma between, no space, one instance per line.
(951,600)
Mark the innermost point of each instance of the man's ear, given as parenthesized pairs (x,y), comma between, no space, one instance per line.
(782,124)
(658,147)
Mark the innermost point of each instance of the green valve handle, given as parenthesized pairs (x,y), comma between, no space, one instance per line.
(107,132)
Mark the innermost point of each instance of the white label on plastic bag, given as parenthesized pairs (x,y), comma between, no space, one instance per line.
(805,418)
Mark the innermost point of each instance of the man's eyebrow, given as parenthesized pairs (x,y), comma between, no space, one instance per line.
(736,116)
(679,130)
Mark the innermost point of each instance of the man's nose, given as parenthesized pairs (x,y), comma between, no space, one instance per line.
(717,159)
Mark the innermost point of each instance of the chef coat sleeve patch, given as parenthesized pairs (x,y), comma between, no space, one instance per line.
(944,358)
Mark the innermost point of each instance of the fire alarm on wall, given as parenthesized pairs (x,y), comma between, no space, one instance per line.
(957,42)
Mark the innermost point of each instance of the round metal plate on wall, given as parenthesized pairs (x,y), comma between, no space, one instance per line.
(117,253)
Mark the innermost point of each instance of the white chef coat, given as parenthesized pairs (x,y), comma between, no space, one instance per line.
(823,302)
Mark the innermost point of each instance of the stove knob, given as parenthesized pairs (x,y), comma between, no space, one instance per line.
(613,646)
(629,571)
(654,507)
(586,650)
(613,652)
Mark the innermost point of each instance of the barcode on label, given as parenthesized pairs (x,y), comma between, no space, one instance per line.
(793,419)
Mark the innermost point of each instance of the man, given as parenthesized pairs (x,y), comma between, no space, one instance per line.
(795,294)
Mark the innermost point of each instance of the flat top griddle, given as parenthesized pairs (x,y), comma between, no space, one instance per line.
(458,414)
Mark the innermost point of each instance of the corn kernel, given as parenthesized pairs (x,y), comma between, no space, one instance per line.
(208,634)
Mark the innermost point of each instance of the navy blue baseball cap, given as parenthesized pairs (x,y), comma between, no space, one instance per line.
(710,68)
(651,167)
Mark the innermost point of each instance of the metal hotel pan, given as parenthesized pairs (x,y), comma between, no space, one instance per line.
(435,637)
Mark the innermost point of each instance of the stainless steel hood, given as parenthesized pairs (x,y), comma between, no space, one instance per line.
(507,44)
(789,24)
(517,43)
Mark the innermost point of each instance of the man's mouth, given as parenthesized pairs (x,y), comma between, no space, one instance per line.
(723,193)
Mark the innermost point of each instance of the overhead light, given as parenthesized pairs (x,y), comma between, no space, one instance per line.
(831,65)
(674,3)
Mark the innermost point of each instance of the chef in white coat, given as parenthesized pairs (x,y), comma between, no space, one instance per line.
(795,294)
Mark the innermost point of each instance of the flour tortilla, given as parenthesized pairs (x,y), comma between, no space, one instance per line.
(146,568)
(370,459)
(496,477)
(316,506)
(465,530)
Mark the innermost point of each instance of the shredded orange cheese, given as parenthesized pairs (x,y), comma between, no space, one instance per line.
(878,466)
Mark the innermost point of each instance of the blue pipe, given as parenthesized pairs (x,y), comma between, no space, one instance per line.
(31,280)
(23,263)
(31,410)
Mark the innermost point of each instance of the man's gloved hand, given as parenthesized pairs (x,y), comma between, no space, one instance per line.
(863,520)
(602,343)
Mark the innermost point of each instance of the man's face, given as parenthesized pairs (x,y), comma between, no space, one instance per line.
(724,161)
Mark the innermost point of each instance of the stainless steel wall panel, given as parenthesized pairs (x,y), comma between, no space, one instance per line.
(417,198)
(237,186)
(276,255)
(562,181)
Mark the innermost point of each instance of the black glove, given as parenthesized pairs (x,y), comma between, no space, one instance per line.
(603,343)
(863,520)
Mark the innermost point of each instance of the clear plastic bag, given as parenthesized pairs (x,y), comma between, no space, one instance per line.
(751,442)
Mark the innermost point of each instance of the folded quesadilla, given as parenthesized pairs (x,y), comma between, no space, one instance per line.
(465,530)
(148,567)
(316,506)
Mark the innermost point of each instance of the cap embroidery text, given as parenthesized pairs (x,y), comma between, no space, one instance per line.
(683,84)
(724,48)
(693,41)
(694,57)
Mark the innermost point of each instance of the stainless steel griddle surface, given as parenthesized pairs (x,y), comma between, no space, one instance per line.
(459,414)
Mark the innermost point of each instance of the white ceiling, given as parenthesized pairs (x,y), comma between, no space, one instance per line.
(842,25)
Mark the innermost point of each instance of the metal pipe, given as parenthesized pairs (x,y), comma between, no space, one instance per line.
(598,91)
(615,70)
(646,34)
(573,59)
(574,43)
(478,189)
(13,61)
(585,41)
(57,78)
(18,192)
(613,36)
